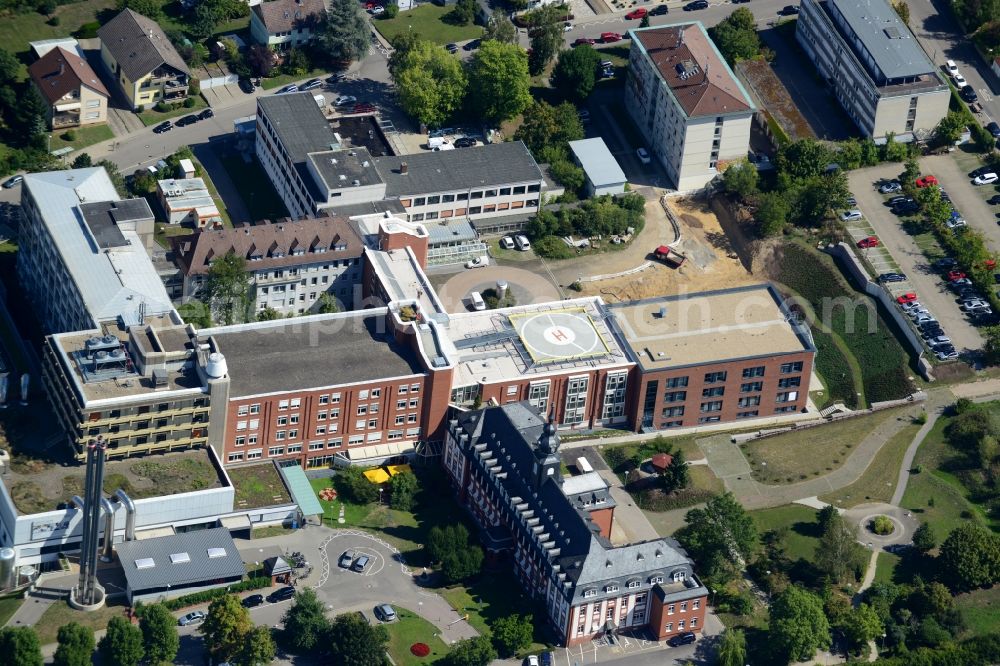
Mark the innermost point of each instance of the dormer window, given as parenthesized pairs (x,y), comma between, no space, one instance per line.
(655,580)
(678,576)
(611,588)
(589,593)
(319,249)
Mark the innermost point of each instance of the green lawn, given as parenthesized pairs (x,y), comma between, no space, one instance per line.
(254,187)
(164,232)
(85,136)
(284,79)
(802,536)
(491,597)
(153,117)
(9,606)
(799,455)
(410,629)
(17,29)
(426,21)
(258,485)
(878,482)
(980,610)
(885,567)
(60,613)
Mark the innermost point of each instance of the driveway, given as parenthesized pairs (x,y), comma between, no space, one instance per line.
(968,199)
(526,286)
(922,278)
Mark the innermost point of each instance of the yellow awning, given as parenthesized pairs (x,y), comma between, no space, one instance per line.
(398,469)
(377,475)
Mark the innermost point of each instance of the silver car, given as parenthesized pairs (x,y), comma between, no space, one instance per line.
(385,613)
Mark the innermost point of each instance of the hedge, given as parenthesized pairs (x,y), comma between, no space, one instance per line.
(211,595)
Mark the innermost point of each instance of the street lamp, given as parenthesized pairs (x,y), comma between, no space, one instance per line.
(380,495)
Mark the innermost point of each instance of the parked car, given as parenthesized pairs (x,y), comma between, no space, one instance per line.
(246,85)
(567,26)
(584,115)
(962,282)
(994,200)
(190,119)
(473,45)
(896,201)
(908,297)
(891,277)
(522,242)
(531,660)
(206,114)
(452,48)
(946,355)
(871,241)
(378,10)
(696,5)
(686,638)
(890,187)
(13,181)
(986,179)
(968,93)
(311,84)
(385,613)
(906,208)
(289,89)
(851,215)
(945,263)
(344,100)
(580,41)
(253,600)
(974,305)
(610,37)
(659,10)
(191,618)
(926,181)
(955,275)
(643,155)
(361,563)
(507,243)
(939,341)
(993,128)
(959,80)
(546,658)
(465,142)
(283,594)
(476,301)
(478,262)
(951,68)
(346,559)
(636,14)
(165,126)
(912,305)
(788,10)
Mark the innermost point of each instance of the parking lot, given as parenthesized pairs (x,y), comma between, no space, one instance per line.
(970,200)
(922,278)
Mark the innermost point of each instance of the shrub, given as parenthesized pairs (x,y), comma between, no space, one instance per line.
(205,596)
(68,135)
(189,102)
(882,525)
(391,11)
(194,88)
(53,21)
(87,30)
(552,247)
(162,107)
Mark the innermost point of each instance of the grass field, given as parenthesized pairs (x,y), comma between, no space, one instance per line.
(258,485)
(878,482)
(9,606)
(154,117)
(426,21)
(85,136)
(59,613)
(410,629)
(802,536)
(164,232)
(799,455)
(980,610)
(254,187)
(284,79)
(17,29)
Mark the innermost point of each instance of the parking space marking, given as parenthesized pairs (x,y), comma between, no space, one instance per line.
(325,558)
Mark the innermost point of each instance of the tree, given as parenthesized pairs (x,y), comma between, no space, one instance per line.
(803,158)
(575,72)
(720,537)
(268,314)
(462,564)
(970,557)
(430,82)
(228,289)
(949,129)
(450,546)
(869,152)
(464,12)
(839,554)
(546,33)
(826,517)
(76,645)
(260,59)
(740,178)
(892,150)
(257,649)
(862,625)
(676,476)
(903,10)
(402,489)
(116,177)
(644,21)
(226,627)
(159,634)
(499,75)
(545,125)
(476,651)
(500,29)
(148,8)
(345,35)
(296,63)
(10,67)
(798,626)
(305,623)
(512,633)
(351,640)
(327,303)
(20,646)
(82,161)
(567,174)
(354,486)
(736,36)
(732,648)
(121,644)
(772,213)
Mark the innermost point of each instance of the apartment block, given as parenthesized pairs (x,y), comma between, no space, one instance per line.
(686,101)
(874,66)
(291,264)
(505,467)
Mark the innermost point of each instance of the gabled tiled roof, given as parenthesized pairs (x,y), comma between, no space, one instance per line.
(139,45)
(59,71)
(274,242)
(285,15)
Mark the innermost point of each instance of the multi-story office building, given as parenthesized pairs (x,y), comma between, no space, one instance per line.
(874,65)
(504,464)
(714,357)
(687,103)
(291,264)
(82,256)
(312,171)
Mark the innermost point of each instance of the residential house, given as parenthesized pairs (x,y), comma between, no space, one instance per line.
(188,201)
(75,95)
(143,62)
(286,24)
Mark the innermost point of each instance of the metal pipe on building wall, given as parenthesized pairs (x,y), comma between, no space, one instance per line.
(87,484)
(109,528)
(129,514)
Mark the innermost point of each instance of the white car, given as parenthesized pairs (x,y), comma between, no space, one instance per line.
(951,68)
(643,155)
(522,242)
(851,215)
(890,187)
(986,179)
(532,660)
(959,80)
(478,262)
(567,26)
(507,243)
(974,305)
(378,9)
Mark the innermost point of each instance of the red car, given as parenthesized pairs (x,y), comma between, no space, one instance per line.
(871,241)
(907,298)
(926,181)
(580,41)
(955,275)
(610,37)
(636,14)
(990,264)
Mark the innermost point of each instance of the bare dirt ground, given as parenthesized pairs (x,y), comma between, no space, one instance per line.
(712,261)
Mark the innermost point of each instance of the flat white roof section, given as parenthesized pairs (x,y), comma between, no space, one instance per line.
(597,161)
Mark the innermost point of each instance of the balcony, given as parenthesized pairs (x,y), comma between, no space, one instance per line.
(67,119)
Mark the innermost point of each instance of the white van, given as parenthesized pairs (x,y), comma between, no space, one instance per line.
(436,142)
(522,242)
(477,301)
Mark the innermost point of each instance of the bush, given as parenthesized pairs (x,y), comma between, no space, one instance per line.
(189,103)
(161,107)
(552,247)
(882,525)
(391,11)
(194,88)
(68,135)
(206,596)
(87,30)
(53,21)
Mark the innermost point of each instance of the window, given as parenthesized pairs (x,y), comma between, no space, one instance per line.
(372,423)
(611,588)
(477,195)
(576,400)
(321,416)
(783,410)
(400,419)
(747,415)
(789,382)
(400,404)
(415,401)
(276,451)
(335,443)
(283,404)
(335,398)
(254,424)
(715,377)
(447,198)
(519,189)
(240,425)
(411,418)
(475,210)
(315,446)
(376,393)
(320,430)
(242,410)
(362,410)
(788,396)
(684,606)
(251,440)
(676,382)
(255,409)
(751,401)
(403,389)
(334,414)
(293,419)
(670,609)
(254,454)
(669,626)
(589,593)
(433,200)
(610,615)
(359,424)
(282,420)
(233,457)
(240,441)
(680,625)
(672,411)
(414,388)
(709,419)
(632,584)
(695,605)
(751,387)
(749,373)
(279,436)
(294,448)
(789,368)
(614,396)
(675,396)
(538,396)
(713,406)
(419,201)
(694,622)
(713,392)
(324,399)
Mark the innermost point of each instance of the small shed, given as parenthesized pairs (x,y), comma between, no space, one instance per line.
(604,175)
(187,168)
(278,569)
(661,461)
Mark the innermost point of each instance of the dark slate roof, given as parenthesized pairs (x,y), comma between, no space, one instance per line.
(341,169)
(59,71)
(103,218)
(305,353)
(139,45)
(881,34)
(301,129)
(455,170)
(200,568)
(286,15)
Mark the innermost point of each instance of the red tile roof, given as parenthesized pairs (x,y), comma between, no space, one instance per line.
(59,71)
(284,15)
